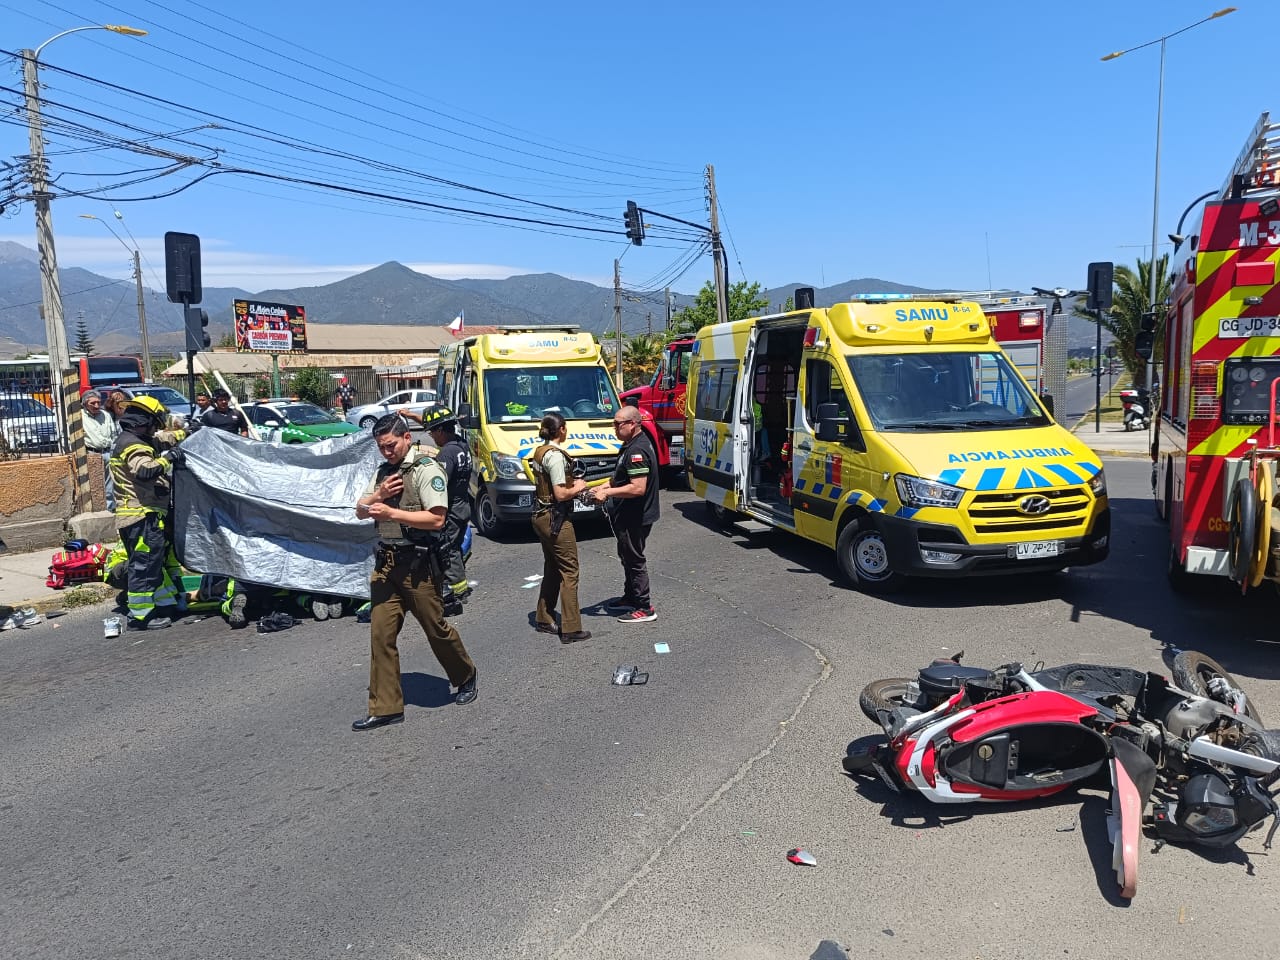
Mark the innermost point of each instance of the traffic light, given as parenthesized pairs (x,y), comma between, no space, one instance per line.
(182,267)
(1101,278)
(635,226)
(1147,322)
(197,335)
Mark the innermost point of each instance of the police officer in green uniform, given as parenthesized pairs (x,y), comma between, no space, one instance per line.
(408,499)
(557,483)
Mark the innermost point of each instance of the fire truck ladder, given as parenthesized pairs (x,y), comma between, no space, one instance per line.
(1257,168)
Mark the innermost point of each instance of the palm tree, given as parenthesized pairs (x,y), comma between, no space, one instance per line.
(640,357)
(1130,300)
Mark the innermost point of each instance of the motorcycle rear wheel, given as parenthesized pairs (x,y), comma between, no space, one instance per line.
(1192,671)
(882,695)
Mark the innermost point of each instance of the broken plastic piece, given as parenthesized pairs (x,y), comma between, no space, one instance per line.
(801,857)
(629,676)
(661,648)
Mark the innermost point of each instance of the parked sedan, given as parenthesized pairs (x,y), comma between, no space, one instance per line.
(173,401)
(366,415)
(295,421)
(27,424)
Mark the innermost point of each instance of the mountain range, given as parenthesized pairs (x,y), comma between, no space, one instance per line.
(391,293)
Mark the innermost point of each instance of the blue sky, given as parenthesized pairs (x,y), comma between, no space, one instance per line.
(939,144)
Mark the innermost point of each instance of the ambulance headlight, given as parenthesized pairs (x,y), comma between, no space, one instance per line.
(919,492)
(507,467)
(1098,483)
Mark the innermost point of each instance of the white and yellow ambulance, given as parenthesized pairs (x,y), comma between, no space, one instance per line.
(895,432)
(501,385)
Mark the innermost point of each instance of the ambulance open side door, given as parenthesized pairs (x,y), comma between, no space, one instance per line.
(743,422)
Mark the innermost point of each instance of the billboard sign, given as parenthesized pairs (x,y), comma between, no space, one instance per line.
(270,327)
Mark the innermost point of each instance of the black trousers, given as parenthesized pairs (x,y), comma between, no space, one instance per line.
(635,570)
(451,559)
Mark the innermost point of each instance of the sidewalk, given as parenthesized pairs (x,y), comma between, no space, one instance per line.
(1114,440)
(22,578)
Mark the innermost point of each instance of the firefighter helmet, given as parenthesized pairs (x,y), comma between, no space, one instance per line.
(437,417)
(150,406)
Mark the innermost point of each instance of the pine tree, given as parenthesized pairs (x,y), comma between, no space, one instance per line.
(84,345)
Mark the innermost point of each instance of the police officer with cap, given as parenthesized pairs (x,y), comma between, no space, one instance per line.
(442,424)
(407,500)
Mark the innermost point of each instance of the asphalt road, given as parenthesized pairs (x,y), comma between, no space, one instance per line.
(197,792)
(1081,391)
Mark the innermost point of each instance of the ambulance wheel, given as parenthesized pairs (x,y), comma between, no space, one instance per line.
(486,520)
(863,556)
(722,517)
(1242,534)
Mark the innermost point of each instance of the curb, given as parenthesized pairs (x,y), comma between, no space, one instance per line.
(72,598)
(1130,454)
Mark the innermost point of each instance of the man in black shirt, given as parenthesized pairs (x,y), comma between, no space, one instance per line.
(222,417)
(634,487)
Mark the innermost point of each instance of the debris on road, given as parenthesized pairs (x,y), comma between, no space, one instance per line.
(802,858)
(629,676)
(661,648)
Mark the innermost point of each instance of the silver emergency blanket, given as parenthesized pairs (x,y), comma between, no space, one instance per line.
(276,514)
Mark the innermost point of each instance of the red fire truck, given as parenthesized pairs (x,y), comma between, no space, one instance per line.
(1215,446)
(663,399)
(1019,323)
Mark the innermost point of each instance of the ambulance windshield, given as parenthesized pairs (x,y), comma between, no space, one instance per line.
(529,393)
(944,391)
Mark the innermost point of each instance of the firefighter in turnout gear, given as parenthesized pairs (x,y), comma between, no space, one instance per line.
(442,424)
(407,498)
(142,468)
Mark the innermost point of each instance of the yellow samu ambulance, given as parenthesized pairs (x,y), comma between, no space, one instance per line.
(895,432)
(501,385)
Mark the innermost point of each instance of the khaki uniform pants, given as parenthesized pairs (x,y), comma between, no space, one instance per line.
(559,575)
(394,590)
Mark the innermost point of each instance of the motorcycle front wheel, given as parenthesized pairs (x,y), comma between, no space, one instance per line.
(1192,671)
(882,695)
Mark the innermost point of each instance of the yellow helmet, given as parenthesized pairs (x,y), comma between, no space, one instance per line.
(150,406)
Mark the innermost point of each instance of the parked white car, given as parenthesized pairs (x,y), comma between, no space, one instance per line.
(367,414)
(27,424)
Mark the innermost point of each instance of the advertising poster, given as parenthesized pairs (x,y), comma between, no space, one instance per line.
(270,327)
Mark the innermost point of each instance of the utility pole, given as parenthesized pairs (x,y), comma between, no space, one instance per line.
(50,288)
(617,323)
(666,300)
(142,318)
(648,323)
(717,250)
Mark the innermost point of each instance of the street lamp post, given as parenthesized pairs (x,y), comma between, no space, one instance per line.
(50,288)
(1155,202)
(137,276)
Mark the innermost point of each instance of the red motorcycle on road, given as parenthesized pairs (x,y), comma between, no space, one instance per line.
(1193,751)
